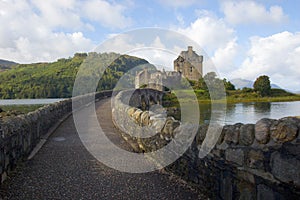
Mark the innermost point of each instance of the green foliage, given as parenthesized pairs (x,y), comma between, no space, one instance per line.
(202,94)
(200,84)
(55,80)
(280,93)
(228,85)
(170,100)
(262,85)
(143,86)
(247,90)
(242,94)
(7,110)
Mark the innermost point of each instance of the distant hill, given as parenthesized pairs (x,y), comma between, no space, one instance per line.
(56,79)
(5,64)
(294,91)
(241,83)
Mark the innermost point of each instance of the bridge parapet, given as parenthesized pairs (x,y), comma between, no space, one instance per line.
(20,134)
(249,161)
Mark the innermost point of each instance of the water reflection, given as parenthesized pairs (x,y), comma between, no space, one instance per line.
(262,107)
(28,101)
(251,112)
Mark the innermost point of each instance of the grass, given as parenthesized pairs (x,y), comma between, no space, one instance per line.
(237,96)
(20,108)
(264,99)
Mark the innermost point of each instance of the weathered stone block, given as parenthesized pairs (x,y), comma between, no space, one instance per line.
(262,130)
(235,156)
(170,125)
(246,191)
(255,159)
(232,134)
(246,134)
(244,175)
(137,116)
(131,111)
(285,168)
(284,130)
(226,187)
(157,124)
(145,118)
(292,149)
(264,192)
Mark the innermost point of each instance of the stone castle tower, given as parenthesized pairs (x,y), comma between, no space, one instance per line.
(189,64)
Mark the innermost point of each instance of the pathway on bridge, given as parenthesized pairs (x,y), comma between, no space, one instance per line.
(64,169)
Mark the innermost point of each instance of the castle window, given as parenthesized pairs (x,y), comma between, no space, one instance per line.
(191,69)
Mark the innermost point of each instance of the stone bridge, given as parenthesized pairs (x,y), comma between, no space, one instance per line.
(42,157)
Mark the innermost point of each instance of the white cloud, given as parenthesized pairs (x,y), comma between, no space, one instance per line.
(277,56)
(210,33)
(216,38)
(177,3)
(108,14)
(224,58)
(180,19)
(152,49)
(119,43)
(58,45)
(157,43)
(58,13)
(35,30)
(244,12)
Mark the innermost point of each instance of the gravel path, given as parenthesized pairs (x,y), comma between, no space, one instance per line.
(64,169)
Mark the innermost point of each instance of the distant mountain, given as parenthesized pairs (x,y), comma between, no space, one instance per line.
(293,91)
(275,86)
(5,64)
(241,83)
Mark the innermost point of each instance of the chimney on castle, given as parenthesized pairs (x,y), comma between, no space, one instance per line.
(190,48)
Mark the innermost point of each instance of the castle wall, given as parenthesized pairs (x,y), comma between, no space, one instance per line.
(158,80)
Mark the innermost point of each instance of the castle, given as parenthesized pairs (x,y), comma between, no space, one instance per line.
(188,64)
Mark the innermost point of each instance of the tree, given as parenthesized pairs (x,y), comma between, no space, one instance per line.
(201,85)
(262,85)
(228,85)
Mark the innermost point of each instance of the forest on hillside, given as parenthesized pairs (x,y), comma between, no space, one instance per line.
(56,79)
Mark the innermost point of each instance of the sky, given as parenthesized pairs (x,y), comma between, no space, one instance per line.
(243,38)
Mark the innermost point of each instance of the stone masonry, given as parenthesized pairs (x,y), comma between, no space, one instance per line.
(249,161)
(189,64)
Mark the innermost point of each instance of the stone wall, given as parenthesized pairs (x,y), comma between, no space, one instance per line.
(137,113)
(249,161)
(20,134)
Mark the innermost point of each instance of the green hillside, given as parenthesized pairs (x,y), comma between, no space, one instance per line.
(55,80)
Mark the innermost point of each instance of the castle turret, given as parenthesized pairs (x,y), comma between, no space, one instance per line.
(189,63)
